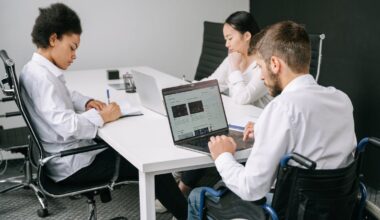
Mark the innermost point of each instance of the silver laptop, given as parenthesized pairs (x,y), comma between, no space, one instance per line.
(149,93)
(195,113)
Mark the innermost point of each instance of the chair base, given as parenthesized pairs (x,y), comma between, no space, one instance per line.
(43,211)
(27,181)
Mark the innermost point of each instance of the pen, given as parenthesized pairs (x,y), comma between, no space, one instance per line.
(108,96)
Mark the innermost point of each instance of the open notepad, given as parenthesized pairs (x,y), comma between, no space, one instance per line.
(127,109)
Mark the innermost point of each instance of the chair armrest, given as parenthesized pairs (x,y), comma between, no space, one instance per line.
(83,149)
(7,99)
(304,161)
(74,151)
(363,142)
(10,114)
(213,192)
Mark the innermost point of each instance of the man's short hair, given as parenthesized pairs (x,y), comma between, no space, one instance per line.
(286,40)
(59,19)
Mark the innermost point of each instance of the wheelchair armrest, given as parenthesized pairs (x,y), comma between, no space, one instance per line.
(304,161)
(363,143)
(375,141)
(211,191)
(73,151)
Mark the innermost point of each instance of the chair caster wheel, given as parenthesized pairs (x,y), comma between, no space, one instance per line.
(42,213)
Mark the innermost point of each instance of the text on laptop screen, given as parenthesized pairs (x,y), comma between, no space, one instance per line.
(195,112)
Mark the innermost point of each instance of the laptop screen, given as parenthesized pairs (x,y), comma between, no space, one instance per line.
(195,109)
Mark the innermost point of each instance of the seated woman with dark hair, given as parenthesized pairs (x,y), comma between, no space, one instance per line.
(238,74)
(66,119)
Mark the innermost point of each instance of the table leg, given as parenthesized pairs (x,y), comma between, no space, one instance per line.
(147,196)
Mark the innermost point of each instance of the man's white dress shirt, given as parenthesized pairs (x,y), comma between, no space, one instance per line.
(244,88)
(58,115)
(306,118)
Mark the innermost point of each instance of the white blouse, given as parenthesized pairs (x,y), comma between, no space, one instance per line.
(244,88)
(58,115)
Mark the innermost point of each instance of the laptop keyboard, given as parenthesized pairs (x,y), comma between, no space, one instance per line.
(236,135)
(201,142)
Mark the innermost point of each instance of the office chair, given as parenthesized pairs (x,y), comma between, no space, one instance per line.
(46,186)
(213,50)
(300,194)
(316,41)
(15,140)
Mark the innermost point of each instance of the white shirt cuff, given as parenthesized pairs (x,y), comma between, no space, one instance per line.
(222,160)
(94,117)
(235,77)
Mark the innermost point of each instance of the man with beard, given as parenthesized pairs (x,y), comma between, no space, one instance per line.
(299,119)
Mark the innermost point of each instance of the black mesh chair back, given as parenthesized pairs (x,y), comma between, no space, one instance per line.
(316,41)
(213,50)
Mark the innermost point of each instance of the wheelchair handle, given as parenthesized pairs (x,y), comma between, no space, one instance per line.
(304,161)
(363,143)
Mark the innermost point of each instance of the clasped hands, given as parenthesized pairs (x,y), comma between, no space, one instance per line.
(221,144)
(108,113)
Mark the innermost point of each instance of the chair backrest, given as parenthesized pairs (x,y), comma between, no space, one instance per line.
(213,50)
(305,194)
(15,91)
(316,54)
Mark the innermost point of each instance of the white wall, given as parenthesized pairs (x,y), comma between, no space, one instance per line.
(163,34)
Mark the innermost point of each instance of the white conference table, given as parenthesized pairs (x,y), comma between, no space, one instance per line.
(146,140)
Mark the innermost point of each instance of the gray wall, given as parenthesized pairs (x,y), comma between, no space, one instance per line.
(163,34)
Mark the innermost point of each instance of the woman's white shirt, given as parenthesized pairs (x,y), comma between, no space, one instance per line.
(244,87)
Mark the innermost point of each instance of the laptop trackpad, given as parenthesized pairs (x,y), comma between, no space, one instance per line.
(238,138)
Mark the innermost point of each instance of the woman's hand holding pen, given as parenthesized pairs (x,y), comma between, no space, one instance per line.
(96,104)
(248,131)
(110,112)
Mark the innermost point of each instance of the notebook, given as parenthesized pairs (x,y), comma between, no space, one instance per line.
(148,91)
(195,113)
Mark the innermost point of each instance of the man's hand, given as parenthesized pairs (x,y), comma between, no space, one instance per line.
(110,112)
(235,59)
(248,131)
(98,105)
(221,144)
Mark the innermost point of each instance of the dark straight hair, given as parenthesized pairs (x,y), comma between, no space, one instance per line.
(243,21)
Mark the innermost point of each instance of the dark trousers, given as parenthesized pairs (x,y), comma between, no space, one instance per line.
(103,167)
(191,177)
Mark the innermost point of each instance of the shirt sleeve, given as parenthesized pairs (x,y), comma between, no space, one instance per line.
(79,100)
(272,139)
(243,92)
(221,74)
(61,116)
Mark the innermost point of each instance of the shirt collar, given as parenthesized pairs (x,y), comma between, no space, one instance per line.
(302,80)
(252,66)
(38,58)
